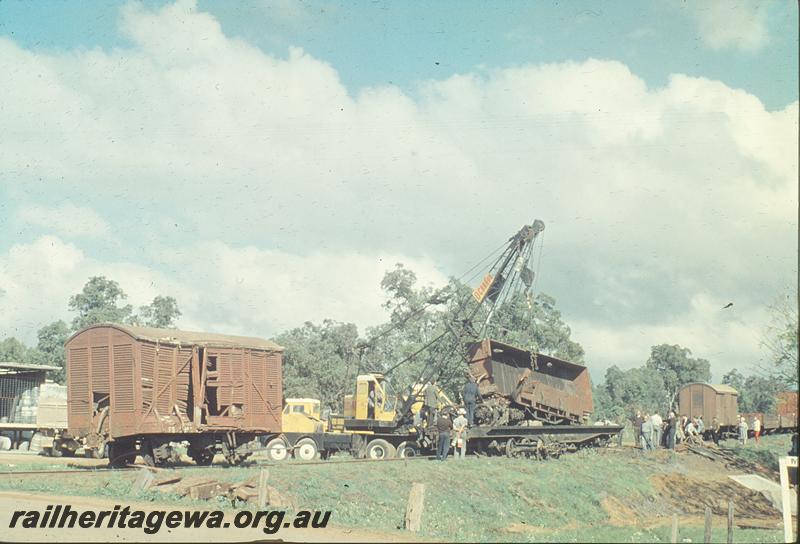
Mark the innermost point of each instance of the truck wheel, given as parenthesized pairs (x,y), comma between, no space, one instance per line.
(407,449)
(380,449)
(277,450)
(306,449)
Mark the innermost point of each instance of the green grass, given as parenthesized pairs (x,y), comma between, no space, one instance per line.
(478,499)
(766,452)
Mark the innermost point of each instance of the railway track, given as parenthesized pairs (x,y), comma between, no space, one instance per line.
(108,469)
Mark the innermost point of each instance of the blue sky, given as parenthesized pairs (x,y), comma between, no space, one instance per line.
(402,43)
(266,162)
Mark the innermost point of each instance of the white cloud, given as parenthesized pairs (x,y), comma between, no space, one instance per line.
(651,196)
(236,290)
(727,337)
(37,279)
(67,220)
(723,24)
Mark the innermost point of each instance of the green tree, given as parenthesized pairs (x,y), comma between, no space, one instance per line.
(756,393)
(537,326)
(318,361)
(676,368)
(419,319)
(446,320)
(605,407)
(14,351)
(162,313)
(781,341)
(761,394)
(51,347)
(635,389)
(98,303)
(735,379)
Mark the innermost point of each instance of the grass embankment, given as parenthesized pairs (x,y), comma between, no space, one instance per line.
(766,452)
(584,496)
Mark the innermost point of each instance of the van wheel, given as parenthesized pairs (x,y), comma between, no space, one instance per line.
(306,449)
(202,457)
(380,449)
(121,454)
(277,450)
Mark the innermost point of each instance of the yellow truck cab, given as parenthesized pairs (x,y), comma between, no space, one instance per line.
(374,400)
(302,416)
(304,433)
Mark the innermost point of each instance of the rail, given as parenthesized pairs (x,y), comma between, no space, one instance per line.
(84,470)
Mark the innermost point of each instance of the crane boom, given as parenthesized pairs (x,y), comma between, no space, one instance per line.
(509,273)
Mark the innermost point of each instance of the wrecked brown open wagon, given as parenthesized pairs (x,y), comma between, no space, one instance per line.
(519,386)
(139,389)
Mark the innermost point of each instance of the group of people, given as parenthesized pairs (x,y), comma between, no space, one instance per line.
(451,431)
(652,432)
(744,429)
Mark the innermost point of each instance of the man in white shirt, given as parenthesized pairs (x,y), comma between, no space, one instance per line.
(658,427)
(460,432)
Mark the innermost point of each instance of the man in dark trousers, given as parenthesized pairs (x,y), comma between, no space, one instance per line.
(672,429)
(637,421)
(431,402)
(470,396)
(444,425)
(716,430)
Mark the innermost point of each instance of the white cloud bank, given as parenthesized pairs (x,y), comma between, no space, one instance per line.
(654,199)
(234,290)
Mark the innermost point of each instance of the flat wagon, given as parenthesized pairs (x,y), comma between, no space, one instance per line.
(140,390)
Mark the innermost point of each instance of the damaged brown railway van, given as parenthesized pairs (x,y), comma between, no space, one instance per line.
(519,386)
(139,390)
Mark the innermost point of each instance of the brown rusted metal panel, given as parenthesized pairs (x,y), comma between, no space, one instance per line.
(709,401)
(272,386)
(786,408)
(532,382)
(149,380)
(786,404)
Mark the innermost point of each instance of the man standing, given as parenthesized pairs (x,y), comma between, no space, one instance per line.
(716,430)
(637,428)
(431,402)
(658,428)
(444,425)
(460,439)
(672,430)
(742,431)
(470,396)
(647,432)
(756,428)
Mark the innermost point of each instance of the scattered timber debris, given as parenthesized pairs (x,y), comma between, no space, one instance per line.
(203,488)
(731,460)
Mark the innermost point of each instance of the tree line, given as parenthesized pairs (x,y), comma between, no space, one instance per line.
(321,360)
